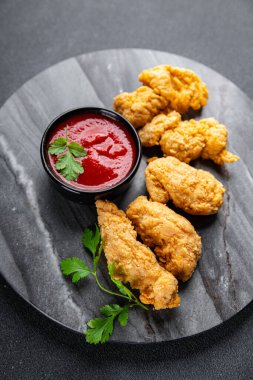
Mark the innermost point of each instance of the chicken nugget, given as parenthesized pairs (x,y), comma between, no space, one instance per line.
(151,133)
(182,88)
(140,106)
(192,139)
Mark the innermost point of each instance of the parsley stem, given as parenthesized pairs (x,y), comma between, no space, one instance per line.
(107,290)
(139,304)
(133,298)
(136,301)
(100,250)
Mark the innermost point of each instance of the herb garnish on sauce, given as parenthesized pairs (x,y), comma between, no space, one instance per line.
(66,164)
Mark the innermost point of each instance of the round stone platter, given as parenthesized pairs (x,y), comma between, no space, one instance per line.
(39,227)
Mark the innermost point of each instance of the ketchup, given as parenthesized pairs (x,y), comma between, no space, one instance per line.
(110,150)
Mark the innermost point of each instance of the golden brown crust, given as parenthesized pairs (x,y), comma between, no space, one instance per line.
(188,140)
(173,238)
(216,136)
(191,139)
(134,262)
(140,106)
(195,191)
(182,88)
(151,133)
(165,88)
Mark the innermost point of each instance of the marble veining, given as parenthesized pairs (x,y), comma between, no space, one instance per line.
(38,227)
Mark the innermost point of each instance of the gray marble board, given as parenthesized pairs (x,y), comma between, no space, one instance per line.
(39,227)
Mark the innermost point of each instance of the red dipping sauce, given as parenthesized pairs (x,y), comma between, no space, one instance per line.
(110,150)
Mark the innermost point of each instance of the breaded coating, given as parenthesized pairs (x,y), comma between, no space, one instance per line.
(195,191)
(191,139)
(134,262)
(182,88)
(152,132)
(173,238)
(216,136)
(188,140)
(140,106)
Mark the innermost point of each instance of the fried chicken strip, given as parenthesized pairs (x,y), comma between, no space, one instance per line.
(188,140)
(173,238)
(134,262)
(182,88)
(193,190)
(140,106)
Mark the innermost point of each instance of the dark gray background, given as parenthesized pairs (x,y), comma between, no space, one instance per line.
(36,34)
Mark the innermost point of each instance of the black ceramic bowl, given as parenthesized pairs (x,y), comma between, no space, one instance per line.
(88,196)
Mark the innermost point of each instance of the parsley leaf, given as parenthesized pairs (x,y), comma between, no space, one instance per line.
(91,238)
(76,267)
(109,310)
(123,316)
(69,167)
(122,288)
(58,146)
(66,164)
(77,150)
(100,329)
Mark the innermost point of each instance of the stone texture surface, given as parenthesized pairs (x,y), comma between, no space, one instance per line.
(39,227)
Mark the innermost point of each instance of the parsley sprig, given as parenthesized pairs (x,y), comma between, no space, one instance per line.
(66,164)
(100,329)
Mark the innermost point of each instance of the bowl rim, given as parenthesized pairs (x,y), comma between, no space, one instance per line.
(100,111)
